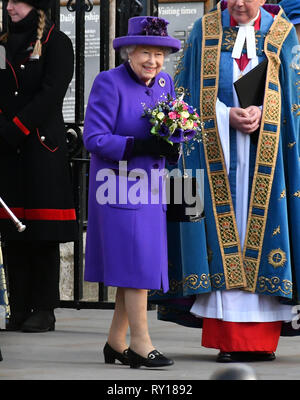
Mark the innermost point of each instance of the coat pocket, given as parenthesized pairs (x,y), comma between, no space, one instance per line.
(117,191)
(46,142)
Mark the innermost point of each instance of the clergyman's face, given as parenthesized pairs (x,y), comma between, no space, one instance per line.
(243,11)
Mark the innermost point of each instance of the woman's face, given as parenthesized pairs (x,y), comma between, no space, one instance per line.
(18,10)
(243,11)
(147,62)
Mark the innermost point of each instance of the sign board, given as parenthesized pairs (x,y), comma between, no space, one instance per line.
(181,17)
(92,54)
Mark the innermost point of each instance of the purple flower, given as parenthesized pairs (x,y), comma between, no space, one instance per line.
(189,134)
(190,110)
(163,131)
(155,27)
(177,136)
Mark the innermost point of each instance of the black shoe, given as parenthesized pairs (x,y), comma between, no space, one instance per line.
(111,355)
(16,320)
(244,356)
(1,358)
(252,356)
(224,357)
(40,321)
(154,359)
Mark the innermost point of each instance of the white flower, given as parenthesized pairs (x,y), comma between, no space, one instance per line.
(184,114)
(189,124)
(160,116)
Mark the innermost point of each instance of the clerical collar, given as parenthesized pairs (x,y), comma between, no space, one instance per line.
(246,33)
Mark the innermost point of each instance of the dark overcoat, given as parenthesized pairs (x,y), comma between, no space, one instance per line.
(35,179)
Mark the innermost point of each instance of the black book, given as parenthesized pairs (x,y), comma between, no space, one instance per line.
(250,88)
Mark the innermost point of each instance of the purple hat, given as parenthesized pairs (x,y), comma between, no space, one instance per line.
(150,31)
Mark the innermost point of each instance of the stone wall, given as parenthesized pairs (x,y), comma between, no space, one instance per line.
(90,289)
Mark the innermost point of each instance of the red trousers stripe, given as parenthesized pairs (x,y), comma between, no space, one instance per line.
(41,214)
(240,336)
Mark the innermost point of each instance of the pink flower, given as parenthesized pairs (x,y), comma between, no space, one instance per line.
(173,115)
(184,107)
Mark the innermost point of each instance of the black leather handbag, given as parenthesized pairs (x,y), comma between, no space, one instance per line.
(183,198)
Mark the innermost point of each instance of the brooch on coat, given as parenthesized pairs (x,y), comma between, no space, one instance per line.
(162,82)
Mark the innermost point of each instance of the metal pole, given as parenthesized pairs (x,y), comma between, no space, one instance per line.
(112,32)
(104,35)
(79,61)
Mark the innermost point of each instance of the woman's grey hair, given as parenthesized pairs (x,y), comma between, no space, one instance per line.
(125,51)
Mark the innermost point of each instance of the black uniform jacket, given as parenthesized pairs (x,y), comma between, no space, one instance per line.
(35,180)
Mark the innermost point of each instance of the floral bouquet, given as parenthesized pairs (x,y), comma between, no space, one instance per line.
(174,120)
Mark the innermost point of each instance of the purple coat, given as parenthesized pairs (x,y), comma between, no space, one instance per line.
(126,240)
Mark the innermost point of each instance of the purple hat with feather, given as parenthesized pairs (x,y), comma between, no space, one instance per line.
(150,31)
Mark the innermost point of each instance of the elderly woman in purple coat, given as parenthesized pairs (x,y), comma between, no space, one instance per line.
(126,236)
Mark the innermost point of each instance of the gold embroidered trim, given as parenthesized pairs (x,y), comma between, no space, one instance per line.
(192,281)
(296,107)
(276,231)
(282,194)
(277,258)
(230,35)
(266,285)
(218,180)
(179,66)
(275,285)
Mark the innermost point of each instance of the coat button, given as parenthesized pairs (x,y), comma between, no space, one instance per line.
(16,93)
(43,138)
(22,66)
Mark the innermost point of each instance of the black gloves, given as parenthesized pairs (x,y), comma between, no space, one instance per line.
(155,146)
